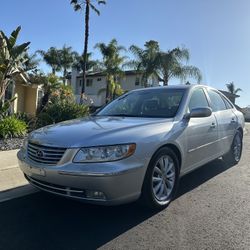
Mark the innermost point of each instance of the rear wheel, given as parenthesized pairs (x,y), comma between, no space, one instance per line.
(234,155)
(161,180)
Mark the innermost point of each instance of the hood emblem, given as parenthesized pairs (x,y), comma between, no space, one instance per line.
(39,153)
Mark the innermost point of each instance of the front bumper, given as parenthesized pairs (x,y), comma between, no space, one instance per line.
(120,181)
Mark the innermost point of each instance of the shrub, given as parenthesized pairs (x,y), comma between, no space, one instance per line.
(61,111)
(6,107)
(28,119)
(12,127)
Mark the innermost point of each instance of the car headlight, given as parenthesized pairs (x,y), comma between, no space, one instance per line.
(104,153)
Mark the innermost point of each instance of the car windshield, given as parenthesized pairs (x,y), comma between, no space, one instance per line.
(158,103)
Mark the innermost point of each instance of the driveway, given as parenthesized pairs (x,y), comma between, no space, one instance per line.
(211,211)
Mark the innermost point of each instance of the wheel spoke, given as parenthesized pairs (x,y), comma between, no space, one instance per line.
(157,187)
(161,189)
(157,179)
(170,175)
(169,167)
(158,171)
(161,163)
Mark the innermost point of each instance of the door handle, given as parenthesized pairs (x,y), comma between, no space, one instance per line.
(213,125)
(233,120)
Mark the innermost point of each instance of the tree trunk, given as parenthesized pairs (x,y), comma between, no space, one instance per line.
(3,88)
(107,90)
(165,81)
(64,76)
(53,71)
(85,52)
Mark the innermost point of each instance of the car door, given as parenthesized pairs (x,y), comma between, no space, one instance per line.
(226,119)
(201,133)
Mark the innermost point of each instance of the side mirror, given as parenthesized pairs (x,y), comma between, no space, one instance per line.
(199,113)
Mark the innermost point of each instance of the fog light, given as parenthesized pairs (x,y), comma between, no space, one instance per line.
(95,195)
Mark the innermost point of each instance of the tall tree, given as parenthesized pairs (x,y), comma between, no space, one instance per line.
(146,60)
(52,58)
(12,59)
(171,65)
(112,63)
(85,6)
(232,89)
(31,62)
(90,63)
(67,58)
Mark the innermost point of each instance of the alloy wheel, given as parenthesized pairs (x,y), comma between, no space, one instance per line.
(163,178)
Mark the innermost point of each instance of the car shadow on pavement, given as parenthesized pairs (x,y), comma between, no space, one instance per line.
(42,221)
(201,175)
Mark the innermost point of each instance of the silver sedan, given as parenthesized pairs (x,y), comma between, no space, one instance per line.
(138,146)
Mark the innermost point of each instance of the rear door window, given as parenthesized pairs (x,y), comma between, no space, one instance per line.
(217,103)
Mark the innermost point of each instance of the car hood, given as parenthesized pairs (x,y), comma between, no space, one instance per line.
(96,130)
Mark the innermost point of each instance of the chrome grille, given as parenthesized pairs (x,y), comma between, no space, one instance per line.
(44,154)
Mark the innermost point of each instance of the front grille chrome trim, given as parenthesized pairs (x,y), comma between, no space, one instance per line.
(49,155)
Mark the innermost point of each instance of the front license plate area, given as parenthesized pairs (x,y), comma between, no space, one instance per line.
(34,171)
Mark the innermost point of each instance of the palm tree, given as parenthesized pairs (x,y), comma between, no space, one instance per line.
(232,89)
(146,60)
(86,5)
(67,59)
(31,62)
(112,64)
(90,63)
(52,58)
(12,59)
(50,83)
(171,66)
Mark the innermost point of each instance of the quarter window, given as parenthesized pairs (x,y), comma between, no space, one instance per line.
(198,100)
(217,103)
(228,104)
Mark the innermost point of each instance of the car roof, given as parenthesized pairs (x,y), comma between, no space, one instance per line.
(177,87)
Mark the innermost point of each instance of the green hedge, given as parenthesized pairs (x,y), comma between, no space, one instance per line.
(12,127)
(61,111)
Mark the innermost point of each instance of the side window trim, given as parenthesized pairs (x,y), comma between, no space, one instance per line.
(227,103)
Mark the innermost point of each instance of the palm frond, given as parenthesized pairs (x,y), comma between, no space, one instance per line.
(102,2)
(94,9)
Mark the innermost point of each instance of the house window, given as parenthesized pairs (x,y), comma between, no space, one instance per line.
(137,81)
(9,92)
(80,83)
(99,79)
(89,82)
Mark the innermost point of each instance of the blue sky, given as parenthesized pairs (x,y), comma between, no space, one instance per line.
(217,32)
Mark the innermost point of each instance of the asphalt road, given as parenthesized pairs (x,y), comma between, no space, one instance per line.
(211,211)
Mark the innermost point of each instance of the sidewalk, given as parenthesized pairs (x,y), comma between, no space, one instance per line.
(12,182)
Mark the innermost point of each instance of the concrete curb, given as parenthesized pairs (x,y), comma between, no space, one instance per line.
(17,192)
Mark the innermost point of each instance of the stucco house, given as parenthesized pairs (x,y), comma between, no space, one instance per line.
(96,84)
(27,93)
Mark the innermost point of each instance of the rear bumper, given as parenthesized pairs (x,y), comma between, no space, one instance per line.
(118,186)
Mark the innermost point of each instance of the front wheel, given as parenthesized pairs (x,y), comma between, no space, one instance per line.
(161,180)
(234,155)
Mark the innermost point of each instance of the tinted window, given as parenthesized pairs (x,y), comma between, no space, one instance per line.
(216,101)
(198,100)
(148,103)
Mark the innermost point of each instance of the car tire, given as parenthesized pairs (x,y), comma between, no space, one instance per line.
(153,178)
(234,154)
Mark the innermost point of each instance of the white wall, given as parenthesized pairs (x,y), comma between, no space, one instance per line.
(97,91)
